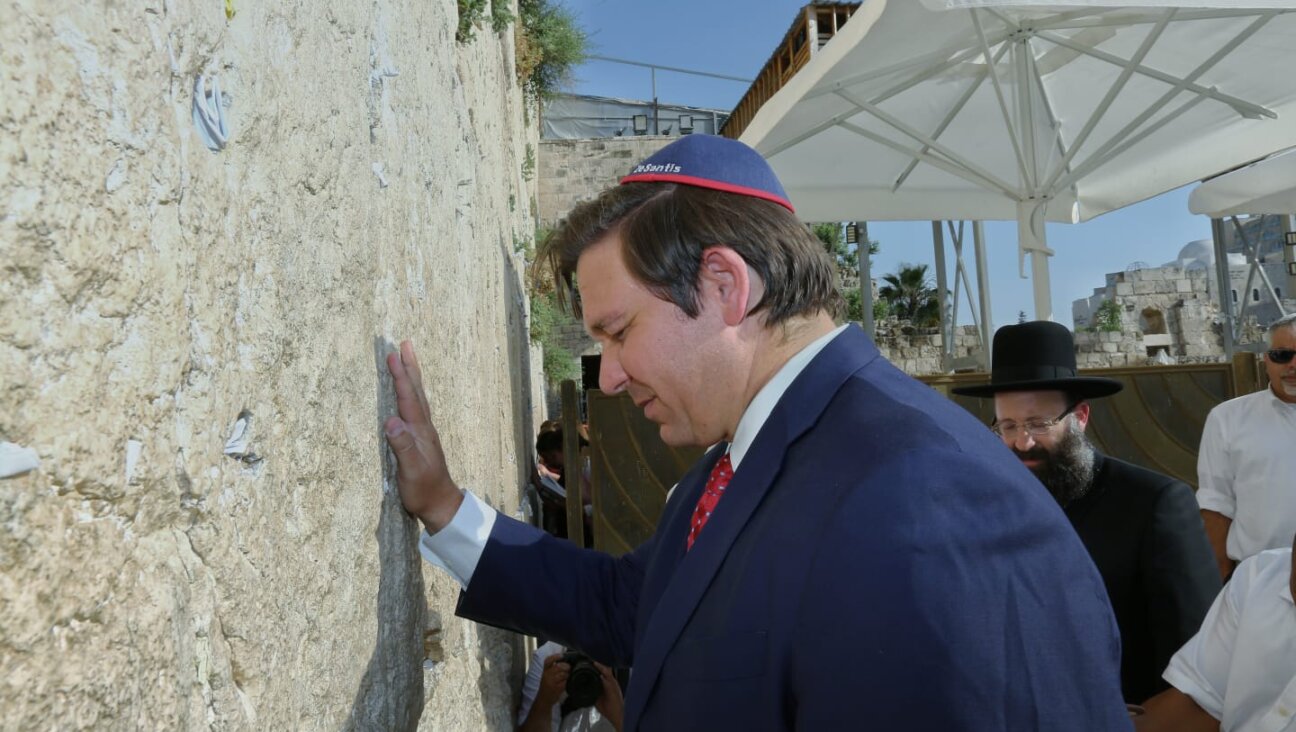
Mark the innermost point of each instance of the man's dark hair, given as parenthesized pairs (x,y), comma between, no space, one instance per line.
(550,440)
(664,228)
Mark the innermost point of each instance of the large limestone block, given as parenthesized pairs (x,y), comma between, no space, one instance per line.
(153,290)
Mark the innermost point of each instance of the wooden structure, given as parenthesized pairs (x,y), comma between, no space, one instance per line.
(1156,421)
(631,470)
(814,26)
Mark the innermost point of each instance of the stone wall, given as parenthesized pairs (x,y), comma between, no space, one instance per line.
(372,186)
(1167,316)
(917,351)
(571,171)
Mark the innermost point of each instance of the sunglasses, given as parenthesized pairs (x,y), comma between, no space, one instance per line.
(1280,355)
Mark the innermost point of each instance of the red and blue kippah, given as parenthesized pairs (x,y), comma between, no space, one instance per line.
(709,161)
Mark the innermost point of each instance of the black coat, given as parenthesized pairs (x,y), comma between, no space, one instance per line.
(1145,534)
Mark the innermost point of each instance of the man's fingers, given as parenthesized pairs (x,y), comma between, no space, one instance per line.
(410,359)
(408,401)
(398,435)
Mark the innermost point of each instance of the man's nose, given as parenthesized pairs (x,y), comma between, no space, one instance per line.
(1023,441)
(612,378)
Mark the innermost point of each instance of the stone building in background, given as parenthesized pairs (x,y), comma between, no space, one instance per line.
(1172,313)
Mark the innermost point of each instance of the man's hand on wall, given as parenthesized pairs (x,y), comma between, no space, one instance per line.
(426,489)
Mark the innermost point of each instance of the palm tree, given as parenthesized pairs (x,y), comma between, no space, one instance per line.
(911,295)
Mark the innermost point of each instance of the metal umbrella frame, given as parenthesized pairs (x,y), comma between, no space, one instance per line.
(1030,111)
(1264,188)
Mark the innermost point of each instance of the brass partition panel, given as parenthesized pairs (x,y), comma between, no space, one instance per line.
(1156,421)
(631,470)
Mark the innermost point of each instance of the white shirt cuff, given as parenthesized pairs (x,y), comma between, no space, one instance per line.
(1213,501)
(458,546)
(1185,679)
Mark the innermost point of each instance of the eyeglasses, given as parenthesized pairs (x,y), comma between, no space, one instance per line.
(1033,427)
(1280,355)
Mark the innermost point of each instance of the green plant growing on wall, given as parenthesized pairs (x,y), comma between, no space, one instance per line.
(549,45)
(548,318)
(472,13)
(834,242)
(855,307)
(833,237)
(854,304)
(1107,319)
(881,309)
(501,15)
(529,163)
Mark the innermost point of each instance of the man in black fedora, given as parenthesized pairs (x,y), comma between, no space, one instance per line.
(1142,528)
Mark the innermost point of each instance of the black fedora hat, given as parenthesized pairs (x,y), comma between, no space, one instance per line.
(1038,356)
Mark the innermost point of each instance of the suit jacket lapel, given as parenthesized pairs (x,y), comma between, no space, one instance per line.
(672,531)
(682,578)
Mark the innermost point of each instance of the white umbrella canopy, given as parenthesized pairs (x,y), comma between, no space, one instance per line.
(1031,111)
(1266,187)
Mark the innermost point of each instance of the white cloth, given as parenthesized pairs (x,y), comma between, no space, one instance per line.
(1245,471)
(458,546)
(1241,665)
(579,719)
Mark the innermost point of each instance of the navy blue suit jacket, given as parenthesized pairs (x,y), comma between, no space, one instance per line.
(879,561)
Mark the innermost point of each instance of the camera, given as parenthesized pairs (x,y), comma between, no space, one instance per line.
(584,683)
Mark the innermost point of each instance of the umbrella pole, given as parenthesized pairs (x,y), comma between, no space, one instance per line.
(1289,254)
(862,247)
(1040,282)
(1031,240)
(1223,286)
(942,293)
(983,291)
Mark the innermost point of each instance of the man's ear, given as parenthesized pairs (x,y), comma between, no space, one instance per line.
(726,281)
(1081,413)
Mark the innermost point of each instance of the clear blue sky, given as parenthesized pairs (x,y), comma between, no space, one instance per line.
(736,38)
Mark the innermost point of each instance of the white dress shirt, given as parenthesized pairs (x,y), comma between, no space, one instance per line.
(458,546)
(1241,665)
(1246,470)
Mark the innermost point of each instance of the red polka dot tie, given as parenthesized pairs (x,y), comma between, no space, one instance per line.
(715,488)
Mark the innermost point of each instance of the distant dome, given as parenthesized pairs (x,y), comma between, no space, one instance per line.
(1200,253)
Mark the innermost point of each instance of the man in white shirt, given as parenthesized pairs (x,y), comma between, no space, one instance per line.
(1238,674)
(1247,461)
(855,551)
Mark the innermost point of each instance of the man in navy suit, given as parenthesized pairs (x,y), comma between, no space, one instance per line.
(854,551)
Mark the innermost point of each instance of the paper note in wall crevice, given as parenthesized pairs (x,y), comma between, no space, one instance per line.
(16,459)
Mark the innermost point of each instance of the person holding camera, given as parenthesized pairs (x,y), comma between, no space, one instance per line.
(566,691)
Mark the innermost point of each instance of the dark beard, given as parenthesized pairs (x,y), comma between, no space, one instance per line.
(1067,472)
